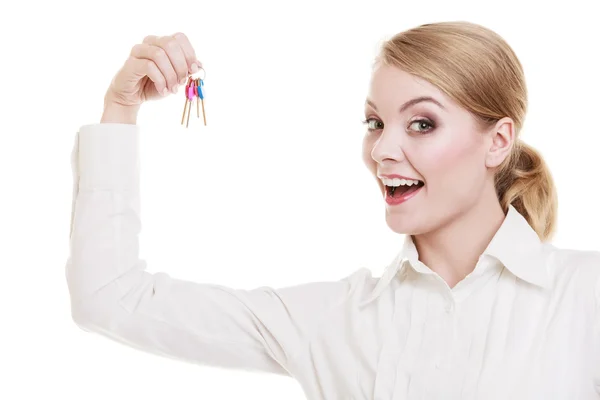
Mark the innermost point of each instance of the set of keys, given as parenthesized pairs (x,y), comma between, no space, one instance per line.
(193,92)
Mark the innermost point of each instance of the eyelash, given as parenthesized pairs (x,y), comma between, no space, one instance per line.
(423,120)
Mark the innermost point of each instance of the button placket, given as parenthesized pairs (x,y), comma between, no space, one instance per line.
(386,372)
(450,304)
(407,368)
(447,315)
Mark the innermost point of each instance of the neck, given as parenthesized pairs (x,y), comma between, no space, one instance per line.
(452,251)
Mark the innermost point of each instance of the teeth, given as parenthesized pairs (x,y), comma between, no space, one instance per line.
(399,182)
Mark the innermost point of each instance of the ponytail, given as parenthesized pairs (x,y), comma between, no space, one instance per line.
(525,182)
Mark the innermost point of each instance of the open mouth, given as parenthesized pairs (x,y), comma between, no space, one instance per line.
(403,190)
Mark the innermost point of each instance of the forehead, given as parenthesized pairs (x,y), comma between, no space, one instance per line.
(392,86)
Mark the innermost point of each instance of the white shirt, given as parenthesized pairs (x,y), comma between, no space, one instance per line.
(525,324)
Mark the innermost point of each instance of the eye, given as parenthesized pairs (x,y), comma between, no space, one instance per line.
(373,124)
(424,125)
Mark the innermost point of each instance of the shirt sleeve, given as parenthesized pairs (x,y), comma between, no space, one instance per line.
(595,351)
(112,294)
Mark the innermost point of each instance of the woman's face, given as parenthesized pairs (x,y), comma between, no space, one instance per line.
(439,145)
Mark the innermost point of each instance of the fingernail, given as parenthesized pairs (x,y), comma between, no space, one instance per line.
(182,81)
(194,68)
(174,88)
(165,91)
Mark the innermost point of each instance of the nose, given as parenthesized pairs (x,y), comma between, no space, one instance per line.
(388,147)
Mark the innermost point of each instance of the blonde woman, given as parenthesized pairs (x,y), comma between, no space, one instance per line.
(477,304)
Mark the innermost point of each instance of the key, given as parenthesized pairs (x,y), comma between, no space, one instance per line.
(190,95)
(186,99)
(196,96)
(201,98)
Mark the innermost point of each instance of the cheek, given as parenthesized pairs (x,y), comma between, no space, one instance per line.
(450,167)
(367,147)
(442,159)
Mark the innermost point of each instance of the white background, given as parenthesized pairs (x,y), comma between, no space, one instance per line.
(272,192)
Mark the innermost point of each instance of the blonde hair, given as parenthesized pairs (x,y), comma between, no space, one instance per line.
(475,67)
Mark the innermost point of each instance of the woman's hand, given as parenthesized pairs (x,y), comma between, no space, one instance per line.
(155,68)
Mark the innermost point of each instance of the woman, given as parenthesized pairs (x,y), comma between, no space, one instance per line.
(476,305)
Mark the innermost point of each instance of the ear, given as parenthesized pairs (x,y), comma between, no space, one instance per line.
(502,140)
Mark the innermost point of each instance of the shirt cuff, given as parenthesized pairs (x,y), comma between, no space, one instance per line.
(108,156)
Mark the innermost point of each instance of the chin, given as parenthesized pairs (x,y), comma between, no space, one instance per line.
(402,225)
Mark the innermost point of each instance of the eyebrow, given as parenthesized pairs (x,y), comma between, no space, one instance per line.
(412,102)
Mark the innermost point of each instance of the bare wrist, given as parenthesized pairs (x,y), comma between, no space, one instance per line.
(117,113)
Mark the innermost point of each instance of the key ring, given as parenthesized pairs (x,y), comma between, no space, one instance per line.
(200,68)
(194,92)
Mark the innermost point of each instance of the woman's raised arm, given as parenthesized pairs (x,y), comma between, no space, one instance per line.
(113,294)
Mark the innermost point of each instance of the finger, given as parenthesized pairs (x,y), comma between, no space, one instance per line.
(143,67)
(160,58)
(175,54)
(188,51)
(154,74)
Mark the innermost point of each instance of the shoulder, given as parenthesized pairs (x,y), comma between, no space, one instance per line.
(360,283)
(569,261)
(572,268)
(327,294)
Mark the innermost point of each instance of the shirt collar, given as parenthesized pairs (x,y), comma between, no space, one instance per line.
(516,245)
